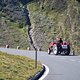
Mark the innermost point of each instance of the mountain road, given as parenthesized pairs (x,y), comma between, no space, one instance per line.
(60,67)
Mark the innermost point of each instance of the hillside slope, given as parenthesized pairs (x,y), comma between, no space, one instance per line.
(15,67)
(12,24)
(50,18)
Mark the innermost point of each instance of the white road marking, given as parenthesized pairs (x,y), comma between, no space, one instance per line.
(45,73)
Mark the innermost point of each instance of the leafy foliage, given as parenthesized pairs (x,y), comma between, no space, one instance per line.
(12,22)
(12,10)
(24,2)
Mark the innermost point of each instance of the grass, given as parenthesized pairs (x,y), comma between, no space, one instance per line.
(58,20)
(16,67)
(14,37)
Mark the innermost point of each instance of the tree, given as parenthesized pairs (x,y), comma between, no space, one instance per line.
(24,2)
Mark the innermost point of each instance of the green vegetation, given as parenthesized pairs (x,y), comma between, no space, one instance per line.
(49,18)
(13,34)
(56,18)
(12,25)
(16,67)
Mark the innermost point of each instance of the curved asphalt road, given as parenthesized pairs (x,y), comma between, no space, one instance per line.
(60,67)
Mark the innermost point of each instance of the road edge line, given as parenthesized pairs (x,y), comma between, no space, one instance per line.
(45,73)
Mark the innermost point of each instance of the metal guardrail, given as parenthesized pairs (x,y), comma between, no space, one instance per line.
(38,74)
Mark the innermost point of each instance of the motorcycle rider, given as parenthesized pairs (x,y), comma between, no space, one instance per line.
(58,40)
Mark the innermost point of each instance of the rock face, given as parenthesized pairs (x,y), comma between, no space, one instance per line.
(50,18)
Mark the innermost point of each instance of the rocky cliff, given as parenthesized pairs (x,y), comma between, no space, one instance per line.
(50,18)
